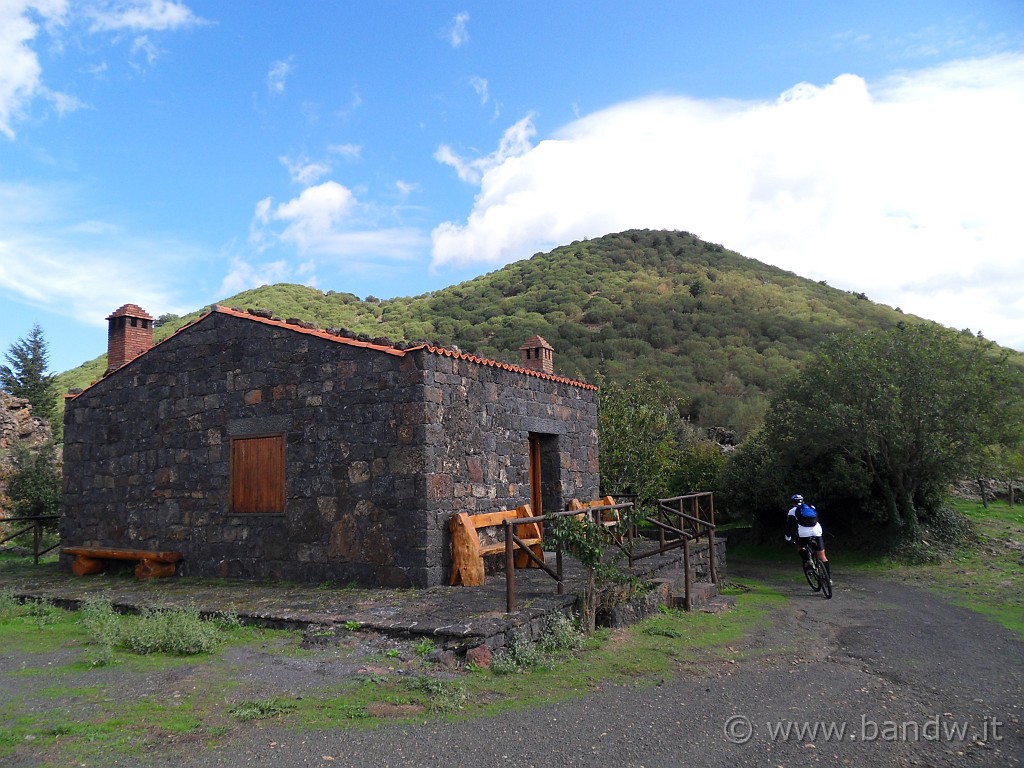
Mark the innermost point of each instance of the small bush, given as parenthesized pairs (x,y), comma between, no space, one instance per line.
(9,605)
(562,635)
(944,531)
(180,632)
(442,695)
(520,654)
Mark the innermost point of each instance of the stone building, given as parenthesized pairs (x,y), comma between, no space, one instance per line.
(265,448)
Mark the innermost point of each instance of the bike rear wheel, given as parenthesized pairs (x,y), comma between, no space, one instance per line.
(824,579)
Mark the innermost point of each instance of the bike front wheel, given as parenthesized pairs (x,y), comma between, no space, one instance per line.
(811,574)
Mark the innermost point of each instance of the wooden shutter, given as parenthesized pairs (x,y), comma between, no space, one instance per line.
(257,474)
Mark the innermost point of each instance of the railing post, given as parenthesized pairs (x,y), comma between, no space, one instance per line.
(37,538)
(510,570)
(712,561)
(687,598)
(558,568)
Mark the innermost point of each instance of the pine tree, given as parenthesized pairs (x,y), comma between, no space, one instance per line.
(26,375)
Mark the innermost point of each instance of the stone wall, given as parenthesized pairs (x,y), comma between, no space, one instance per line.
(381,448)
(477,444)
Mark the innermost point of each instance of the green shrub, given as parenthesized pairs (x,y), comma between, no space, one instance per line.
(9,605)
(442,695)
(179,632)
(562,635)
(520,654)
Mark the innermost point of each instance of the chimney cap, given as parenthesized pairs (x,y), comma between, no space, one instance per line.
(536,341)
(130,310)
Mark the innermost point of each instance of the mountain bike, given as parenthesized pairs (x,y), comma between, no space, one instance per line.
(816,572)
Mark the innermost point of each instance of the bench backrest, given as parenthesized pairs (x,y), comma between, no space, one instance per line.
(497,520)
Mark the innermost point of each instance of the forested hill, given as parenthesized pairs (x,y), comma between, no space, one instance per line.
(719,328)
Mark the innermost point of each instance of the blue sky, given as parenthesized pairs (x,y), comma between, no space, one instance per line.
(171,154)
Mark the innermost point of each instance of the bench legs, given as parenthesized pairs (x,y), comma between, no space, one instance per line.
(151,569)
(83,565)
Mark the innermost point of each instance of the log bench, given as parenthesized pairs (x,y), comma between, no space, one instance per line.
(151,564)
(470,546)
(610,518)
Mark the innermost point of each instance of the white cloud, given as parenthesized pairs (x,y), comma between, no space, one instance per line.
(514,143)
(244,275)
(304,171)
(457,31)
(348,151)
(907,190)
(277,75)
(20,71)
(143,15)
(406,188)
(81,268)
(327,220)
(479,84)
(21,74)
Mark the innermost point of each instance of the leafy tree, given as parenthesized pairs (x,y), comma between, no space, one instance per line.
(882,422)
(34,487)
(637,426)
(26,375)
(697,468)
(587,541)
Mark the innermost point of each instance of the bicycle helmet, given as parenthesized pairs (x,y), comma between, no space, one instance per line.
(797,498)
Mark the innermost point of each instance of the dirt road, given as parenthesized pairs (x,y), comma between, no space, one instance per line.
(882,675)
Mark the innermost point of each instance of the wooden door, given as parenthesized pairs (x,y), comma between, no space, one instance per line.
(536,499)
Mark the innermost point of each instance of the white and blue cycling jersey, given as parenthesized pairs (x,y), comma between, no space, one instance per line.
(804,531)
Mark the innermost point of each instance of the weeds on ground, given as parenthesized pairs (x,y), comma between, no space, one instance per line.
(261,710)
(562,635)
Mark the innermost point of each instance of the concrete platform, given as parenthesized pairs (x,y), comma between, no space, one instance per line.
(453,617)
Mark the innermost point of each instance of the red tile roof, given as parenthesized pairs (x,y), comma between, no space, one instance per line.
(311,330)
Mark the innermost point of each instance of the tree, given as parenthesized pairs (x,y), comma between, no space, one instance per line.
(637,424)
(26,375)
(34,487)
(882,422)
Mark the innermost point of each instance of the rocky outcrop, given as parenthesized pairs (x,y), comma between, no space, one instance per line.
(17,425)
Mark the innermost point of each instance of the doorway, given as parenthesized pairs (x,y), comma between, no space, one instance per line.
(545,474)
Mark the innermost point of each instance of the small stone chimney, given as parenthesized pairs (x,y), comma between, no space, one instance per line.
(129,334)
(538,355)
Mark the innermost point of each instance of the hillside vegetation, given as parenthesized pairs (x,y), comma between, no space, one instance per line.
(720,329)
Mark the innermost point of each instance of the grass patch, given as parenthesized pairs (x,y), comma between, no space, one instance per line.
(163,700)
(985,575)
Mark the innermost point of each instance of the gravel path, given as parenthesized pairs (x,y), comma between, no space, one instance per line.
(887,674)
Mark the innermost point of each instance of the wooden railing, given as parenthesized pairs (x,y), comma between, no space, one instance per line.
(36,526)
(680,520)
(514,544)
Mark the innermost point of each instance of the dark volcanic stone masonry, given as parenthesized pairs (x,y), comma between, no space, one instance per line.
(382,446)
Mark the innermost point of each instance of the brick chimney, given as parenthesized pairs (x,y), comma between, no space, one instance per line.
(538,355)
(129,334)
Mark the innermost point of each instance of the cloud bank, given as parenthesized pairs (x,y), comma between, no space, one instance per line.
(907,189)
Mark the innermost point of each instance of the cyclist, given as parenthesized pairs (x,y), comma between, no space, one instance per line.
(802,524)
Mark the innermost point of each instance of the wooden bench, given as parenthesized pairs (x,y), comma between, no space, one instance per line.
(470,547)
(610,518)
(151,564)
